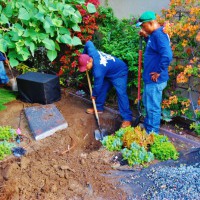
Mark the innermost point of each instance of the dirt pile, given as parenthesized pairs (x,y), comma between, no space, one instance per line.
(68,165)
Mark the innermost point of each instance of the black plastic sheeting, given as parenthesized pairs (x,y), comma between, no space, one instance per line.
(36,87)
(165,180)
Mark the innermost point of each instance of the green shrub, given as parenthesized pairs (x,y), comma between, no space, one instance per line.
(163,149)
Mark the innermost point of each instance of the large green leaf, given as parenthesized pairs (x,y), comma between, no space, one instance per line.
(31,33)
(51,55)
(15,36)
(13,62)
(3,45)
(91,8)
(68,10)
(51,31)
(23,14)
(3,19)
(76,17)
(49,44)
(39,16)
(63,30)
(76,41)
(41,8)
(57,46)
(76,28)
(60,6)
(41,36)
(31,46)
(8,10)
(57,22)
(24,53)
(66,39)
(18,29)
(9,43)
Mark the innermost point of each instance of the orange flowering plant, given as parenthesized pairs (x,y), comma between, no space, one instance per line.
(175,106)
(182,24)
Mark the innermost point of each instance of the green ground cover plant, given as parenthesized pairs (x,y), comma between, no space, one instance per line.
(136,155)
(7,136)
(137,147)
(163,149)
(5,97)
(5,149)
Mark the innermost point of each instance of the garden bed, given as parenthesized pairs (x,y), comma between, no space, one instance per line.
(70,164)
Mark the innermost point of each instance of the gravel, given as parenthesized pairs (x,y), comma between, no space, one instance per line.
(170,180)
(174,183)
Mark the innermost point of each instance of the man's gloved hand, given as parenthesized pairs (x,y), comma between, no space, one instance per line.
(154,76)
(92,97)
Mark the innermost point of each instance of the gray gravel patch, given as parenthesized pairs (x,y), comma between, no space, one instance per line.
(169,180)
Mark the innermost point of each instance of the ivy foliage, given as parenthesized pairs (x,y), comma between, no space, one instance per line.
(119,38)
(27,25)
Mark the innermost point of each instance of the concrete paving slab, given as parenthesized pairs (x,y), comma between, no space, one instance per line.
(44,120)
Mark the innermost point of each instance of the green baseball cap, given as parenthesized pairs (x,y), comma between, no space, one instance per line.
(146,17)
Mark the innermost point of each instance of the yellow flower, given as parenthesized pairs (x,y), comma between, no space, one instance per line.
(181,78)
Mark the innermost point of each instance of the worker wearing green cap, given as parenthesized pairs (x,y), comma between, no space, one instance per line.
(157,57)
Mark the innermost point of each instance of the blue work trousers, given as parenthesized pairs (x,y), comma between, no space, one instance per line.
(120,84)
(3,77)
(152,99)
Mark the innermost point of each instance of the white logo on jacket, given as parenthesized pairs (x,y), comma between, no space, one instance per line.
(104,58)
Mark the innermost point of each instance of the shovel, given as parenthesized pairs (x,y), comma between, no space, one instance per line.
(138,118)
(98,133)
(13,80)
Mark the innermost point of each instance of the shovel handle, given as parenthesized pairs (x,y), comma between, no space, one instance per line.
(10,68)
(93,101)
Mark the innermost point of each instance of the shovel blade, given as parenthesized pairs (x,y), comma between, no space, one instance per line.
(137,121)
(100,134)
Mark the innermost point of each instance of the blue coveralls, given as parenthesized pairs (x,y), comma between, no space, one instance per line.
(109,71)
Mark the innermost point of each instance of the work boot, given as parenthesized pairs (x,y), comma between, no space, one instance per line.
(125,124)
(91,111)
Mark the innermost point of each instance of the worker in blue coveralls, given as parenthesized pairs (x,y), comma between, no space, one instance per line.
(108,71)
(157,57)
(3,77)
